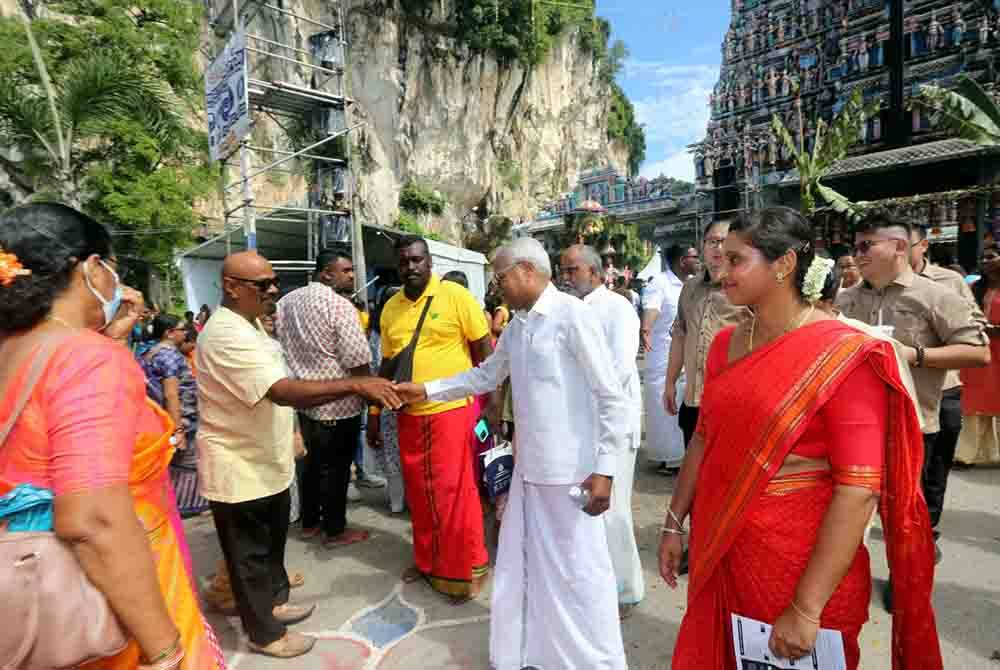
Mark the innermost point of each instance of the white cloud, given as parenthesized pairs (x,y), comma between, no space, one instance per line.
(674,111)
(679,165)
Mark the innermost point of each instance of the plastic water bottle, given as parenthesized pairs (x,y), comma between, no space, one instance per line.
(580,496)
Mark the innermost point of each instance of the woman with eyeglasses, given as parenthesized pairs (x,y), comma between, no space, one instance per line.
(86,434)
(171,384)
(979,441)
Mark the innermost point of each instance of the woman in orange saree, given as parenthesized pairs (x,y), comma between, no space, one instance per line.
(88,434)
(805,425)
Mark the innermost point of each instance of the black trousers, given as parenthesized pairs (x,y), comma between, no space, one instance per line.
(687,417)
(327,472)
(939,453)
(253,535)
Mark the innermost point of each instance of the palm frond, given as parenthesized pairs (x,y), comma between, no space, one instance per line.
(961,115)
(103,87)
(840,203)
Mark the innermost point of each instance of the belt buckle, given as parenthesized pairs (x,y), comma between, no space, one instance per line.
(329,423)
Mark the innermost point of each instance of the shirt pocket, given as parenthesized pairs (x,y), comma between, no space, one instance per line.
(911,328)
(543,358)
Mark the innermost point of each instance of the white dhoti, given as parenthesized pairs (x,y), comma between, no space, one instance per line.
(621,533)
(664,438)
(554,602)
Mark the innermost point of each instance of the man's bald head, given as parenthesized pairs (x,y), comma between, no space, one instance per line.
(245,264)
(249,284)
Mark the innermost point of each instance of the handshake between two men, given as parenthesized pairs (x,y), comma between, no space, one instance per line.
(393,395)
(389,394)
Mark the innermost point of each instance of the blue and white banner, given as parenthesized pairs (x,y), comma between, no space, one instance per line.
(226,99)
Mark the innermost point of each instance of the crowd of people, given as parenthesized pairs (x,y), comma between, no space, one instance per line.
(792,395)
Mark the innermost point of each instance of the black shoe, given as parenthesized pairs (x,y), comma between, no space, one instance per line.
(682,569)
(887,597)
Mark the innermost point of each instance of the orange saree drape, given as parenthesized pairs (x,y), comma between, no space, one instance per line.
(754,411)
(154,505)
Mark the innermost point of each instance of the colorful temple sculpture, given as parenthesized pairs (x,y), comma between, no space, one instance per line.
(802,60)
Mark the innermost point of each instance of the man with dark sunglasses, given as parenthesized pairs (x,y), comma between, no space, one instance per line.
(246,451)
(941,330)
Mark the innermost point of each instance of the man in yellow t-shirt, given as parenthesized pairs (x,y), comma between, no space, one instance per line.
(435,437)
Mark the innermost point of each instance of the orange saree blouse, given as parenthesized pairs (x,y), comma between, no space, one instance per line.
(88,424)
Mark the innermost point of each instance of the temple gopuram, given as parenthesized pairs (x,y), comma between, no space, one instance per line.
(802,60)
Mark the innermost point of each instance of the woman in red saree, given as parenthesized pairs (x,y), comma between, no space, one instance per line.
(89,435)
(805,428)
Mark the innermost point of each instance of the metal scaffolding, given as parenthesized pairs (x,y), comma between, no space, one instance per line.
(303,92)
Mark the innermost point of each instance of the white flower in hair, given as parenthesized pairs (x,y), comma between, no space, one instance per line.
(812,285)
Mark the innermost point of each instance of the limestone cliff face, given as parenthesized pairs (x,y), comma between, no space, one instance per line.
(462,123)
(468,126)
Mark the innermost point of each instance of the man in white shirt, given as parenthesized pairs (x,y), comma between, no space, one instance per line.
(554,596)
(665,440)
(581,275)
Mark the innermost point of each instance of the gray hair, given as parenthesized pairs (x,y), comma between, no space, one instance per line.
(527,250)
(589,256)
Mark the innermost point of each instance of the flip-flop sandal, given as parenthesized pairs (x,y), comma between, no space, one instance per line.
(346,538)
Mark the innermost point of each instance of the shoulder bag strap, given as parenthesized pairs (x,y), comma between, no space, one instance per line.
(420,324)
(38,364)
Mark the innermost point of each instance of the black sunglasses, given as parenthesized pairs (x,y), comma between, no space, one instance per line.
(263,285)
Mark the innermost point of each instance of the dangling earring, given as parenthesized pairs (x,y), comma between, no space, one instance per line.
(780,277)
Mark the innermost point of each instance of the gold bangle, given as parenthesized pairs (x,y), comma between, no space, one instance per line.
(803,614)
(673,531)
(374,411)
(166,652)
(673,517)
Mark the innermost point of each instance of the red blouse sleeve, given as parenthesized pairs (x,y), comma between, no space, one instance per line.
(718,357)
(856,425)
(93,393)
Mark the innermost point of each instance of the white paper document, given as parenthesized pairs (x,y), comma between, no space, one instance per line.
(750,639)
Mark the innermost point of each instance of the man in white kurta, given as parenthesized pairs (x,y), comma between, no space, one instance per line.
(581,275)
(554,596)
(664,439)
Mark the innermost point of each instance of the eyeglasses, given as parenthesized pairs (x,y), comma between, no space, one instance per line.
(864,246)
(715,242)
(500,274)
(262,285)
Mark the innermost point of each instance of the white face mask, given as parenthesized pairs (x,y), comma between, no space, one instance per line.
(111,306)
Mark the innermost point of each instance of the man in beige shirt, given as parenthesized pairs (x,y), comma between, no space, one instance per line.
(950,415)
(940,329)
(702,311)
(246,452)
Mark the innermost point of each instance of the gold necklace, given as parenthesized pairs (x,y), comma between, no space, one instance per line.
(792,325)
(53,317)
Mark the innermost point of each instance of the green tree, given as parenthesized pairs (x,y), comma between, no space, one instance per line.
(830,144)
(99,111)
(967,111)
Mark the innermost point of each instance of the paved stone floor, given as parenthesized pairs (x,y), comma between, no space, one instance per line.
(366,618)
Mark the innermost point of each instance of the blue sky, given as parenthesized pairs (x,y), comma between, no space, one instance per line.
(673,64)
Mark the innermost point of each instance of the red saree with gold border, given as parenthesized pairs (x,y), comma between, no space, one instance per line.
(752,535)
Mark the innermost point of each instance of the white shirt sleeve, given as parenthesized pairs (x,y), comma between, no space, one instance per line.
(653,295)
(623,340)
(484,378)
(590,350)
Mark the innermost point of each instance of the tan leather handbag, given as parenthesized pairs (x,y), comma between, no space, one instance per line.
(53,616)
